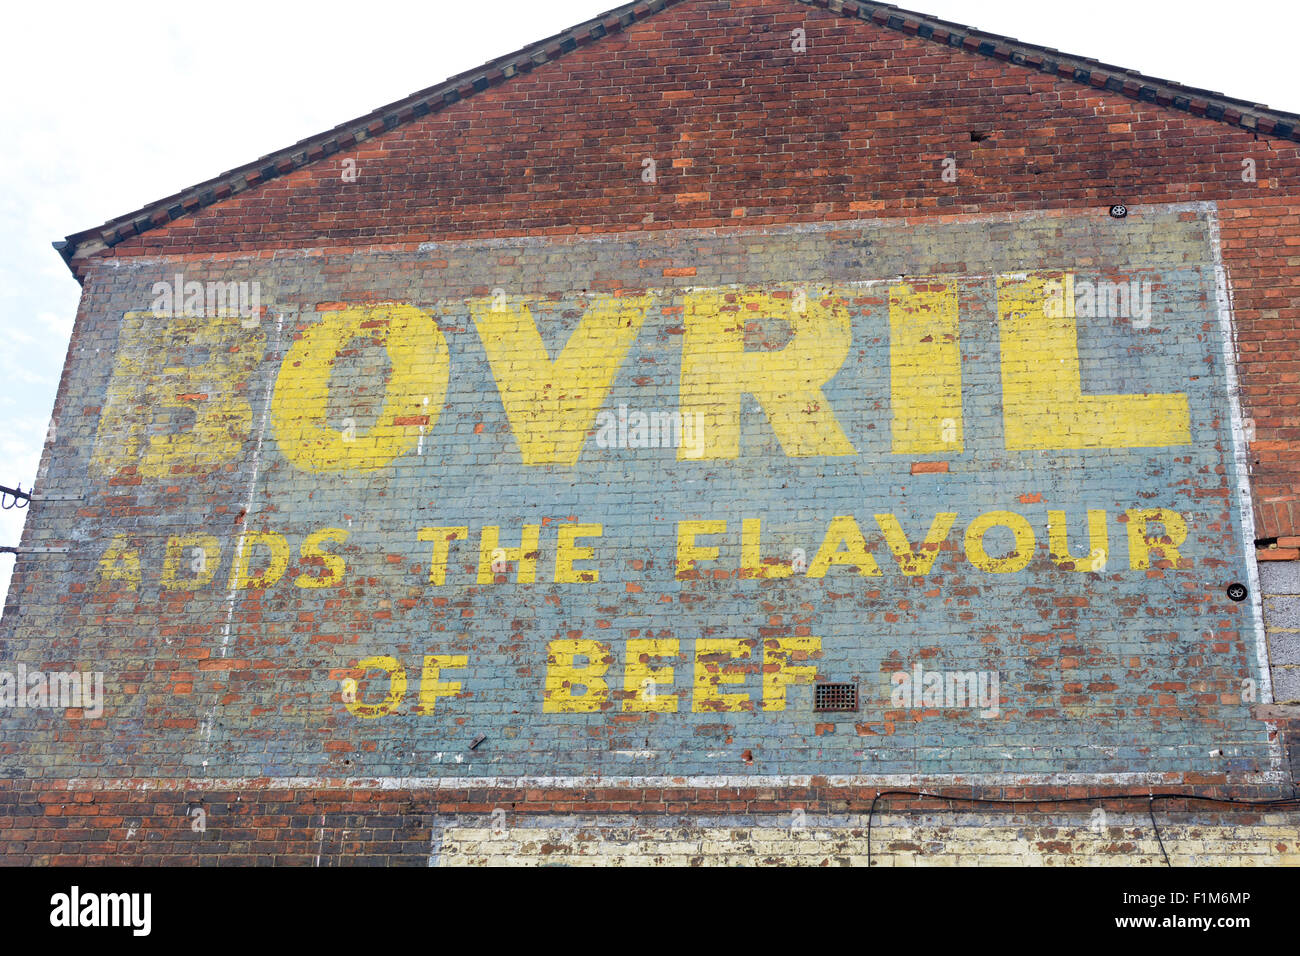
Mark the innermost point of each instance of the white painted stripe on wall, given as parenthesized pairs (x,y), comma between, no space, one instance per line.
(1152,780)
(1240,450)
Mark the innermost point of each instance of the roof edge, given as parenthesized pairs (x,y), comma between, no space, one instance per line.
(88,242)
(1252,117)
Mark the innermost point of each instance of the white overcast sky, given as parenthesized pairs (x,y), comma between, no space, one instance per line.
(109,106)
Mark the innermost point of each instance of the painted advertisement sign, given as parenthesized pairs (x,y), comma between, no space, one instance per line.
(617,506)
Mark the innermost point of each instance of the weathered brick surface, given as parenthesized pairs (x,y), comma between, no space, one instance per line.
(243,680)
(745,130)
(679,826)
(1280,585)
(204,450)
(924,840)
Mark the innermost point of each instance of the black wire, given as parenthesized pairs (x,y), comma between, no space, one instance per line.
(1151,811)
(870,814)
(1292,801)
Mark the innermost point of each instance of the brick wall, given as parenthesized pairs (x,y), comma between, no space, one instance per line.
(282,527)
(745,130)
(212,825)
(1280,583)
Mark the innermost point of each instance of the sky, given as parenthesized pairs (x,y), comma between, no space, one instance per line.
(108,107)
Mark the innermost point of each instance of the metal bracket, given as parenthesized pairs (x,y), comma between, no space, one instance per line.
(21,495)
(6,550)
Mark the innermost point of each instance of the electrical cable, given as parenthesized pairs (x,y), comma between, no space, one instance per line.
(1151,811)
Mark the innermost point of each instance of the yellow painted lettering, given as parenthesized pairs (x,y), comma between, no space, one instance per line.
(154,393)
(1141,542)
(751,557)
(396,688)
(1042,389)
(843,530)
(240,576)
(778,671)
(688,552)
(644,683)
(1058,544)
(120,563)
(563,674)
(717,371)
(1016,559)
(199,554)
(567,551)
(442,539)
(417,387)
(711,673)
(925,369)
(491,556)
(335,567)
(916,563)
(431,688)
(552,405)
